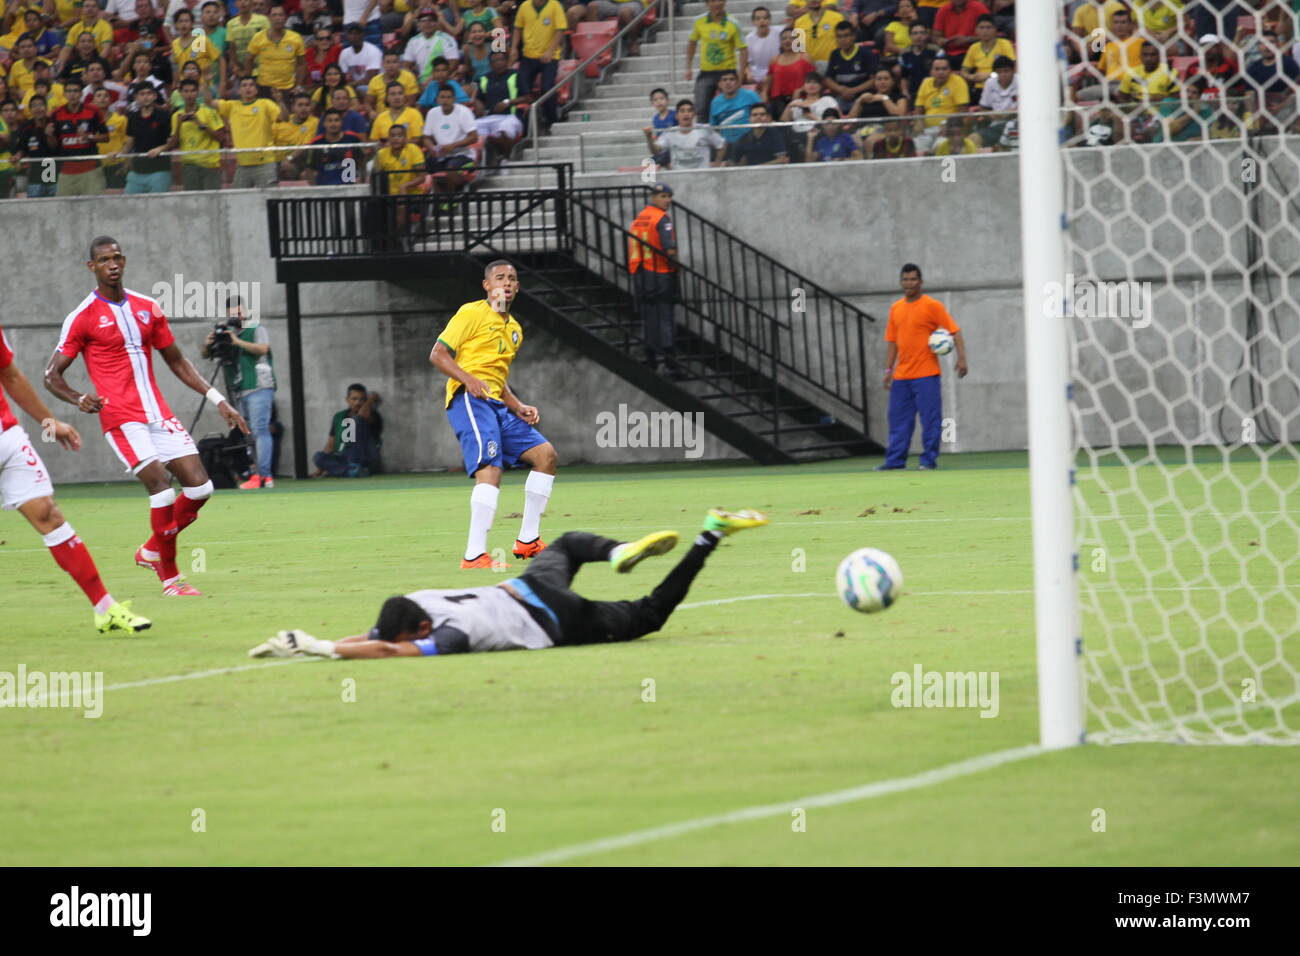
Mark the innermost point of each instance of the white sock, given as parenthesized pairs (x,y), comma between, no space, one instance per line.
(104,604)
(482,509)
(537,491)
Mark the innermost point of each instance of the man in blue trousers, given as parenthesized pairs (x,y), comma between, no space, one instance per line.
(912,371)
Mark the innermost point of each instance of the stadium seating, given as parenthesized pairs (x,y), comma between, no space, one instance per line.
(564,80)
(590,37)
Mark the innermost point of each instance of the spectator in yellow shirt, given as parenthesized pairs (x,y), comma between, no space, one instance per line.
(818,26)
(1092,15)
(402,161)
(391,73)
(114,169)
(9,123)
(197,127)
(1152,80)
(898,32)
(252,122)
(92,22)
(722,49)
(942,94)
(299,130)
(22,73)
(1120,55)
(240,30)
(44,86)
(797,8)
(955,142)
(1159,18)
(397,114)
(188,48)
(977,66)
(278,55)
(540,26)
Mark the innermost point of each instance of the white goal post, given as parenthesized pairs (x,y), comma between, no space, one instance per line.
(1162,330)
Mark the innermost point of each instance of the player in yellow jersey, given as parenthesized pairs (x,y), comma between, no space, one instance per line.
(494,428)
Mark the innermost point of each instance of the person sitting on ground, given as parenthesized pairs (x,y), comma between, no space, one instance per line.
(352,450)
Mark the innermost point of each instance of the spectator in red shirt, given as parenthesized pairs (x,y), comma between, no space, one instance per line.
(785,74)
(896,143)
(1219,69)
(78,129)
(146,32)
(955,24)
(323,51)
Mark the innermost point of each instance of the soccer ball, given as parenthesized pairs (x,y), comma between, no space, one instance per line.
(869,580)
(940,342)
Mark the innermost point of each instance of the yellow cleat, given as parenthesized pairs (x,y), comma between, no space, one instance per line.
(729,522)
(120,617)
(627,556)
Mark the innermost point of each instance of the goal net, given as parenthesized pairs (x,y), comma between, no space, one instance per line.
(1182,303)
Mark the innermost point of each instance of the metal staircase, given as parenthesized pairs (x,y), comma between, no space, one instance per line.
(776,363)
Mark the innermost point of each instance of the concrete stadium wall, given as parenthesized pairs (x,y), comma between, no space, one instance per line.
(848,227)
(376,333)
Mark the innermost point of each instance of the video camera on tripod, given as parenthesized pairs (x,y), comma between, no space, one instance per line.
(224,350)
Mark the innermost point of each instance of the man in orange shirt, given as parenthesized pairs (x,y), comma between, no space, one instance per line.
(650,259)
(912,371)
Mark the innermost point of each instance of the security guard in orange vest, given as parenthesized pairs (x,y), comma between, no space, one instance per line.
(651,259)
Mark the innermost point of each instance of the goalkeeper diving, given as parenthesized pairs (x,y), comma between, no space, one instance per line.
(538,609)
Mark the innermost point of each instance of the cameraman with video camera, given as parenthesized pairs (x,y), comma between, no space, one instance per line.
(244,351)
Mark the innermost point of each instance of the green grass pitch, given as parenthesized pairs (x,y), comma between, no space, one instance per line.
(762,701)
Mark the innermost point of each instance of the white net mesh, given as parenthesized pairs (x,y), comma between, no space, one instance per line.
(1185,351)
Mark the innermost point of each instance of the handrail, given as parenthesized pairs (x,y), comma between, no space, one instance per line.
(810,290)
(770,261)
(577,75)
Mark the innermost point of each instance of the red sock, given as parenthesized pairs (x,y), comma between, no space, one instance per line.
(74,557)
(186,511)
(164,541)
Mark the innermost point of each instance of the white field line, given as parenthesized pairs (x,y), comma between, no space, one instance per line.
(690,605)
(150,681)
(255,541)
(834,798)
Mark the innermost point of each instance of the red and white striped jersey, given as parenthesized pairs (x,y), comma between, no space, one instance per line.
(7,419)
(118,339)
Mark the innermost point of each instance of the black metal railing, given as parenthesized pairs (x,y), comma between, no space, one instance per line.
(759,331)
(812,340)
(343,227)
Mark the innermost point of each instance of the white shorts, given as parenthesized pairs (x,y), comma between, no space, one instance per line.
(137,444)
(23,475)
(499,124)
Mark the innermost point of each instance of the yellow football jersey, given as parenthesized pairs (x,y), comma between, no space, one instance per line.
(484,344)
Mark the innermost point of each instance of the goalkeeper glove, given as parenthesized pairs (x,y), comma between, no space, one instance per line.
(294,644)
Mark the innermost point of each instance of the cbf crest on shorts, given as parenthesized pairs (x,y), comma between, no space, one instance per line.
(492,449)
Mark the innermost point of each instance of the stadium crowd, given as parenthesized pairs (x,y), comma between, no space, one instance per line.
(426,93)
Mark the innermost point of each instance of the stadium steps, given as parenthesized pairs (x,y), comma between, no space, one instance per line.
(735,390)
(611,112)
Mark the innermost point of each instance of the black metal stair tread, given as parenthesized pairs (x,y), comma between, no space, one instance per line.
(781,410)
(823,446)
(795,428)
(747,393)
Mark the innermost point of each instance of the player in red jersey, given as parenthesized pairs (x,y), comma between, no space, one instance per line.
(117,330)
(25,487)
